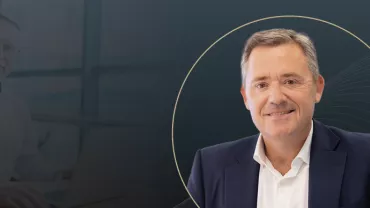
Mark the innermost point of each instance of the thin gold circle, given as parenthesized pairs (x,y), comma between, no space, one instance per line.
(222,37)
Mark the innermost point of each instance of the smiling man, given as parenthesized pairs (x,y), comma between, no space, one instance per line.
(295,161)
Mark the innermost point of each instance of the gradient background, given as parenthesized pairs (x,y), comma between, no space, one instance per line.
(101,79)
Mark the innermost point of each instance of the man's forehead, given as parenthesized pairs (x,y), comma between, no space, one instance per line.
(287,53)
(285,58)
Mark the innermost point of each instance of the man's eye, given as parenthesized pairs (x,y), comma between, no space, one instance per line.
(261,85)
(290,82)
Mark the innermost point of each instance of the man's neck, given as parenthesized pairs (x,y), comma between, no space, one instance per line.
(282,151)
(281,154)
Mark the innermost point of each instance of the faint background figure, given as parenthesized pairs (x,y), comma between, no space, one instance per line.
(19,139)
(14,115)
(18,143)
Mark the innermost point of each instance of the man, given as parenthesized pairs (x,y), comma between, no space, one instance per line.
(294,161)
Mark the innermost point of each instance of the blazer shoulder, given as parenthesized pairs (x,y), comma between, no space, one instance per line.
(225,153)
(358,142)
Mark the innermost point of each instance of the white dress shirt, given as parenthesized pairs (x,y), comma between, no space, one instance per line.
(290,190)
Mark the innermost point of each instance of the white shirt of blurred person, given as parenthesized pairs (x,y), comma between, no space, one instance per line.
(19,158)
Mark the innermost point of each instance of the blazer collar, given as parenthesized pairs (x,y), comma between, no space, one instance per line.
(327,166)
(241,178)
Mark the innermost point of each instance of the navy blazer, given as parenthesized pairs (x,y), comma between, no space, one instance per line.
(226,175)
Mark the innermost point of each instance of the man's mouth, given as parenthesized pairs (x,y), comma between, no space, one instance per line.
(280,113)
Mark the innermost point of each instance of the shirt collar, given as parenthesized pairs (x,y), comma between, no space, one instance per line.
(304,154)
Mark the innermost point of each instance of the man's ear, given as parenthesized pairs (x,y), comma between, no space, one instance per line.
(320,84)
(245,99)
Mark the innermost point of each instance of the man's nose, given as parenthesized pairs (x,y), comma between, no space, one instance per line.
(277,96)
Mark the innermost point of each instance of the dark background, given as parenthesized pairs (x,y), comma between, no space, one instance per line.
(102,76)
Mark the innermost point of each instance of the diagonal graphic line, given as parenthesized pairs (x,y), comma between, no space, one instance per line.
(354,93)
(354,76)
(353,88)
(346,114)
(354,68)
(349,107)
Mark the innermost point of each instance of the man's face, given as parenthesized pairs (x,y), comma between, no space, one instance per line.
(280,91)
(8,35)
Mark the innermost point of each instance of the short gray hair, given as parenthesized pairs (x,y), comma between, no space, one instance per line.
(275,37)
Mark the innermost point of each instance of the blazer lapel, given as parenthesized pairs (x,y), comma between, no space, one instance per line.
(241,180)
(327,163)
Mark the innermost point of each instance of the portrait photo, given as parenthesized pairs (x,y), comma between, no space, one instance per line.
(275,114)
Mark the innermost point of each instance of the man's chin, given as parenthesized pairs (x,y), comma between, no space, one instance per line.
(280,133)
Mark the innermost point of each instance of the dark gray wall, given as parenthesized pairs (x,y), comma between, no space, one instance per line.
(101,79)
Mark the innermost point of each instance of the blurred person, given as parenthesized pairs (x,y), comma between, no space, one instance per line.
(20,158)
(19,140)
(295,161)
(16,140)
(15,118)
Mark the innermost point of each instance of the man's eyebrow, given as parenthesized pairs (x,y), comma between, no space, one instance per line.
(286,75)
(260,78)
(291,75)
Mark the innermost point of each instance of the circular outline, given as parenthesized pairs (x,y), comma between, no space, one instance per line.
(214,43)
